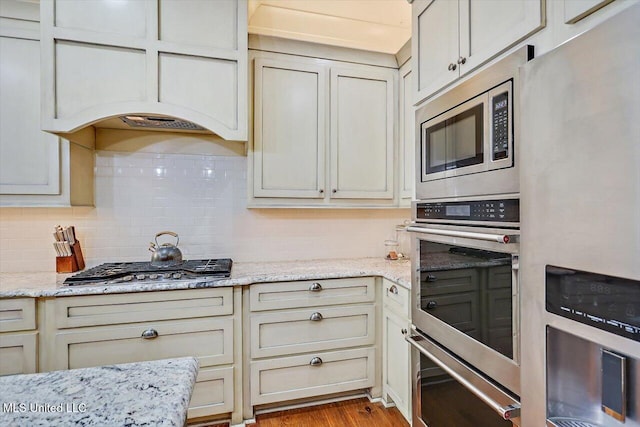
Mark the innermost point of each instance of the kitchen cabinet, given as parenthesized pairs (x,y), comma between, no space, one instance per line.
(304,345)
(36,168)
(181,58)
(575,10)
(452,38)
(100,330)
(18,336)
(324,133)
(406,136)
(396,373)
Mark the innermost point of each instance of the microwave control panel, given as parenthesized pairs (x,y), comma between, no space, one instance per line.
(503,210)
(605,302)
(500,126)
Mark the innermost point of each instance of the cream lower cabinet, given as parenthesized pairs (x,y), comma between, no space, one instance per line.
(396,372)
(18,336)
(108,329)
(324,133)
(306,341)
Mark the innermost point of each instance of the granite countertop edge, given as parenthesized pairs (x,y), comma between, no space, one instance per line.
(45,284)
(141,393)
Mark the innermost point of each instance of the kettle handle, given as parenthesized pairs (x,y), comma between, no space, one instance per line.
(170,233)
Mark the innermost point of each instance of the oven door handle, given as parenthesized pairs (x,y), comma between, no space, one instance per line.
(500,238)
(501,402)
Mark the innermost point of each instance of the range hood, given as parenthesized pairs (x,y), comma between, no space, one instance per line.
(160,122)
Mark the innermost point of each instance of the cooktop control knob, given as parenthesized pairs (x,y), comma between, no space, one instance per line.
(153,276)
(128,278)
(177,275)
(140,276)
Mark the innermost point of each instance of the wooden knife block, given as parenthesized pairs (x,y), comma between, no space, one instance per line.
(73,263)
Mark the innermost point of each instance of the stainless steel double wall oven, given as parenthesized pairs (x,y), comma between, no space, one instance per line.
(465,246)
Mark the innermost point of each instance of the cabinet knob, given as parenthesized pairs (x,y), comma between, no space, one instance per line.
(315,287)
(431,278)
(393,290)
(403,331)
(452,67)
(316,361)
(431,305)
(316,317)
(334,191)
(321,191)
(150,334)
(462,60)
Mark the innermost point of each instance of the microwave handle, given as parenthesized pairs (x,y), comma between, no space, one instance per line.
(506,406)
(500,238)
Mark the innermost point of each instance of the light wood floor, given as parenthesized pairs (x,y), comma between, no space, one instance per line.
(348,413)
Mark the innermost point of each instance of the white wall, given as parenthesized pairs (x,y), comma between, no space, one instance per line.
(203,199)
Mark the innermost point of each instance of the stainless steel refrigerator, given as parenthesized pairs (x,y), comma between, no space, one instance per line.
(580,204)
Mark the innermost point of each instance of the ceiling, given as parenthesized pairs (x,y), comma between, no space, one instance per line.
(376,25)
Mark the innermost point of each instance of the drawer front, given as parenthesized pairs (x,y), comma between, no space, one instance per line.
(95,310)
(311,293)
(288,378)
(212,394)
(312,329)
(18,353)
(210,340)
(396,298)
(17,314)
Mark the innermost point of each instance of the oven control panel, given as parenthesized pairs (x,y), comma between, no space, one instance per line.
(605,302)
(503,210)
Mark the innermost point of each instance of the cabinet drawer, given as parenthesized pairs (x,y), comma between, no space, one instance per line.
(213,393)
(95,310)
(18,353)
(17,314)
(210,340)
(287,378)
(294,331)
(311,293)
(396,298)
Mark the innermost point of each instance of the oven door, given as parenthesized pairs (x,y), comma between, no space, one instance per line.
(448,392)
(465,295)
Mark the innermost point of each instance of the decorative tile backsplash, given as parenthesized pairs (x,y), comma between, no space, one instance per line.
(203,199)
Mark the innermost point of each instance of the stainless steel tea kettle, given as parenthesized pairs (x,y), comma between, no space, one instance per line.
(165,254)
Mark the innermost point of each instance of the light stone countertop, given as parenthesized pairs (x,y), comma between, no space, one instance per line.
(153,393)
(49,284)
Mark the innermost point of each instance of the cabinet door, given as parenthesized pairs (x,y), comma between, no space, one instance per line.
(18,353)
(289,138)
(435,45)
(362,133)
(395,371)
(575,10)
(406,137)
(29,158)
(489,27)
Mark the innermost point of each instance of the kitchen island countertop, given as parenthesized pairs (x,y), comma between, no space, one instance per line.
(145,393)
(49,284)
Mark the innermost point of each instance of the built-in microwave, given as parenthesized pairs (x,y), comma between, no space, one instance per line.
(466,138)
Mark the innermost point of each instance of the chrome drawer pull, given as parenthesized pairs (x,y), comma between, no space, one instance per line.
(316,361)
(432,305)
(316,317)
(150,334)
(393,289)
(431,278)
(315,287)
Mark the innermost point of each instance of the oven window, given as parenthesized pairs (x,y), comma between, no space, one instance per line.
(470,290)
(455,142)
(444,402)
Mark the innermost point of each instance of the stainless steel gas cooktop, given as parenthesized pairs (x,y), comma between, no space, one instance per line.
(136,272)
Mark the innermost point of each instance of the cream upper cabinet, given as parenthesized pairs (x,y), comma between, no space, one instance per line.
(406,136)
(182,58)
(324,133)
(289,128)
(455,37)
(575,10)
(35,167)
(362,133)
